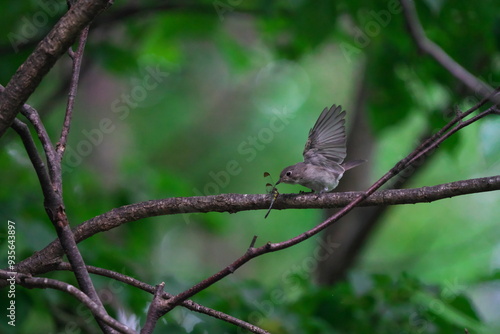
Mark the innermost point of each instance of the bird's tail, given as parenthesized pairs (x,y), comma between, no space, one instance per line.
(351,164)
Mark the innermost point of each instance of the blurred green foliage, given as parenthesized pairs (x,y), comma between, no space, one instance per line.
(203,97)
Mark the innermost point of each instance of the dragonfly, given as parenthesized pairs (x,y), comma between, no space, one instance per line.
(271,189)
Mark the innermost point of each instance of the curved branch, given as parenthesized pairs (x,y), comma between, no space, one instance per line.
(49,50)
(48,283)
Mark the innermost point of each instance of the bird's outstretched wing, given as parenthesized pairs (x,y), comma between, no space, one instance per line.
(327,141)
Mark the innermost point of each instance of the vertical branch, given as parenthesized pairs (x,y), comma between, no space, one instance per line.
(50,153)
(55,209)
(43,177)
(53,201)
(77,62)
(154,312)
(51,179)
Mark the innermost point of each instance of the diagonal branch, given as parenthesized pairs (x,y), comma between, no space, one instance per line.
(48,51)
(48,283)
(432,49)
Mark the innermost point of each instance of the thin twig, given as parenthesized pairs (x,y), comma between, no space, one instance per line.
(48,283)
(456,128)
(252,243)
(77,58)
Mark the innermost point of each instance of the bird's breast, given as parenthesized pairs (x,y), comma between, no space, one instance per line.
(320,178)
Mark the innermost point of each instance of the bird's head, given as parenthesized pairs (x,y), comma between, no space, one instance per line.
(291,174)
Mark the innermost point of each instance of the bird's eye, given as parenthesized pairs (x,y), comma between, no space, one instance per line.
(288,173)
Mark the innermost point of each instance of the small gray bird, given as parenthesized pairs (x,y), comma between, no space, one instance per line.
(324,154)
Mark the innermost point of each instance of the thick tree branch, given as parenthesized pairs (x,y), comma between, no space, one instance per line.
(48,283)
(42,261)
(120,14)
(49,50)
(432,49)
(244,202)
